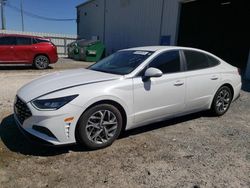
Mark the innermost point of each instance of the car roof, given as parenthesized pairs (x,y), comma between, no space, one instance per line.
(159,48)
(150,48)
(19,35)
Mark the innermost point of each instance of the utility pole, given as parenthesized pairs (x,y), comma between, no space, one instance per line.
(3,2)
(21,5)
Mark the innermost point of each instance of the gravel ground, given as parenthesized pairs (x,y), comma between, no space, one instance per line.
(193,151)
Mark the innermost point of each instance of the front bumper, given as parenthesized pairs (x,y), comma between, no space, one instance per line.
(57,131)
(29,136)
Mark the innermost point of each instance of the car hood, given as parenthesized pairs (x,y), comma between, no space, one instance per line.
(62,80)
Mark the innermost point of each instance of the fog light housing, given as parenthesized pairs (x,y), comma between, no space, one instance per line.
(43,130)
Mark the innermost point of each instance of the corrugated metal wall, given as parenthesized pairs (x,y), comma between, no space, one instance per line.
(129,23)
(170,21)
(91,20)
(60,40)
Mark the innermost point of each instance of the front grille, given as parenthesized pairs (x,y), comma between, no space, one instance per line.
(21,110)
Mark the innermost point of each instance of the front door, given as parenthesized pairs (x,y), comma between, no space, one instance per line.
(158,98)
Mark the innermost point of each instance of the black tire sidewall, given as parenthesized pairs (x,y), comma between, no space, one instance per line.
(81,135)
(214,109)
(38,67)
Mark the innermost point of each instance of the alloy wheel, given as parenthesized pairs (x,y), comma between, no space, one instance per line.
(223,101)
(41,62)
(101,126)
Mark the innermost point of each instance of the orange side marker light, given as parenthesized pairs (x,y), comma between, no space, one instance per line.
(70,119)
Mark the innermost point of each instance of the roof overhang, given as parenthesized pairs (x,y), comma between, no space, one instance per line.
(86,2)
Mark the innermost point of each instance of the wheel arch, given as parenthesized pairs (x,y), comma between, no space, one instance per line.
(41,54)
(110,102)
(230,87)
(225,84)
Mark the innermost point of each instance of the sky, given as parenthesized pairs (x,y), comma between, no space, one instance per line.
(61,9)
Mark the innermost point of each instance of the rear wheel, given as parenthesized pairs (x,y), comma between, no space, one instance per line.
(99,126)
(221,101)
(41,62)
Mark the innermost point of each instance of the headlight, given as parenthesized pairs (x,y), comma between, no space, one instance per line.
(52,104)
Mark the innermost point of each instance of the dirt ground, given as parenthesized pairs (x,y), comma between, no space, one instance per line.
(193,151)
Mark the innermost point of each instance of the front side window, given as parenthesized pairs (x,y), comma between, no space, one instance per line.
(196,60)
(122,62)
(167,62)
(23,41)
(7,40)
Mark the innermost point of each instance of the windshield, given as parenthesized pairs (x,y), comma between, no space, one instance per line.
(122,62)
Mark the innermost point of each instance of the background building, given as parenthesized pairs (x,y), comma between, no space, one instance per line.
(219,26)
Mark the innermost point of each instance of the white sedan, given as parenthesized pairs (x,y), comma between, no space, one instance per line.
(131,88)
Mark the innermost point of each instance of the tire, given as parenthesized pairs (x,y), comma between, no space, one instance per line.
(93,132)
(222,101)
(41,62)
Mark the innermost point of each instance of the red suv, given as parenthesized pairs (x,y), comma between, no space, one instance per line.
(23,49)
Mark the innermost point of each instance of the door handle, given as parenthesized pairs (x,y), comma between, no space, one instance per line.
(214,78)
(11,47)
(179,83)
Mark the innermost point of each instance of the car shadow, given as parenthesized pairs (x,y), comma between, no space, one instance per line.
(19,67)
(166,123)
(15,141)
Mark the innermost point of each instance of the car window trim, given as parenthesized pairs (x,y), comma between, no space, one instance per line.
(183,61)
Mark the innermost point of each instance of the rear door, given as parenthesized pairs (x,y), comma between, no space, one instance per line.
(202,77)
(7,49)
(23,50)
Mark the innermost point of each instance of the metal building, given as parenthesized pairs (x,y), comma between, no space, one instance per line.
(128,23)
(218,26)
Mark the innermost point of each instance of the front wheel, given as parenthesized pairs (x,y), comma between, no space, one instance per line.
(99,126)
(221,101)
(41,62)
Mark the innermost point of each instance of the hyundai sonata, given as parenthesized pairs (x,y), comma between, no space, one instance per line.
(128,89)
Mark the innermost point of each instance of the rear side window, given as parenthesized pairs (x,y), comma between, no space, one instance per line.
(196,60)
(23,41)
(212,61)
(167,62)
(37,40)
(7,40)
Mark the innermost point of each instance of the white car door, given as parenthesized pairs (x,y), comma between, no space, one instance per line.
(202,79)
(160,97)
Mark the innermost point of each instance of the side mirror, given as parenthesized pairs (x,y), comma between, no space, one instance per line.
(153,73)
